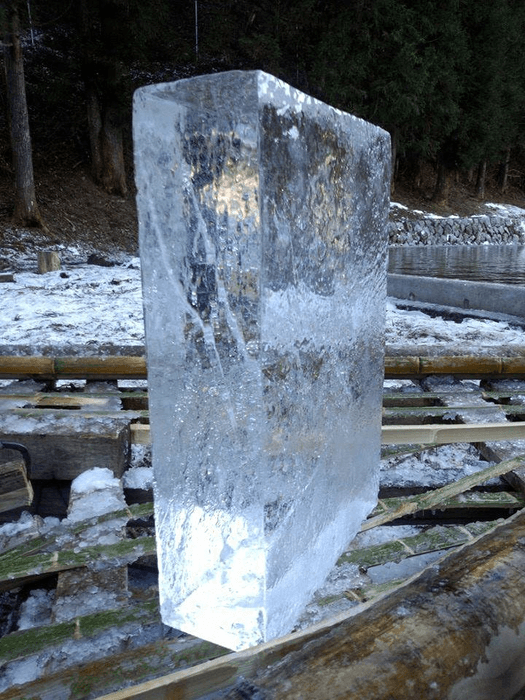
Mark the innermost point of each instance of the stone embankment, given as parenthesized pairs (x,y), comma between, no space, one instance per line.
(475,230)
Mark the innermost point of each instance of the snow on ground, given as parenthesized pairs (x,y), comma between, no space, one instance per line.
(96,308)
(492,209)
(86,305)
(404,328)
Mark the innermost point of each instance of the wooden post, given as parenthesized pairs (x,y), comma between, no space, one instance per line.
(48,261)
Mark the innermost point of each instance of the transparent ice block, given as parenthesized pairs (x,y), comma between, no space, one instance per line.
(262,222)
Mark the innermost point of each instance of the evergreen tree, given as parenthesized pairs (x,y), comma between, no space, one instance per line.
(26,211)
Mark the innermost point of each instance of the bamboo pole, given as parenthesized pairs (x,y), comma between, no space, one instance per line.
(134,367)
(26,367)
(112,367)
(98,368)
(460,365)
(431,500)
(437,434)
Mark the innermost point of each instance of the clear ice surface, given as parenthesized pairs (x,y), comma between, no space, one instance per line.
(262,220)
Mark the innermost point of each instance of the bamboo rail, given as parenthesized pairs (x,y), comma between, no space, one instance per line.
(134,367)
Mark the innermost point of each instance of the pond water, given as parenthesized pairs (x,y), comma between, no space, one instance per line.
(487,263)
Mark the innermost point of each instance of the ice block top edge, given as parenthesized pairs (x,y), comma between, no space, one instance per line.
(268,88)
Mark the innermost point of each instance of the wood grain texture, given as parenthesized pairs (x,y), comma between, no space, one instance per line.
(15,489)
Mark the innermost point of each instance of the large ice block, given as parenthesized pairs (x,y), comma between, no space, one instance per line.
(262,216)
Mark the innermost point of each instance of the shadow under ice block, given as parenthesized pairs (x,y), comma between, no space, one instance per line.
(262,218)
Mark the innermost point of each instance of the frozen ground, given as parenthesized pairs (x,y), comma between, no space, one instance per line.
(94,309)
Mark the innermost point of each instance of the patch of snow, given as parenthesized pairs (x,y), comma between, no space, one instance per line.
(36,610)
(404,327)
(431,468)
(138,478)
(506,209)
(140,456)
(93,493)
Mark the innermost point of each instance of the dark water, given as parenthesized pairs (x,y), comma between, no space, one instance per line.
(488,263)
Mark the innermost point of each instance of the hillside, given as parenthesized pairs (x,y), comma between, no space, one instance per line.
(78,212)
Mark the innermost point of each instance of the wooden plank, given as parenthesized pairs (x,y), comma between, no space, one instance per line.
(447,434)
(140,434)
(15,489)
(398,646)
(432,434)
(431,500)
(130,400)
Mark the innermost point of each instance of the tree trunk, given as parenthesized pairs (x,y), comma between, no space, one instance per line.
(101,77)
(107,151)
(480,181)
(113,170)
(442,189)
(26,210)
(503,175)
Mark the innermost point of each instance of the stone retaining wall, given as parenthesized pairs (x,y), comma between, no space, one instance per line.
(473,230)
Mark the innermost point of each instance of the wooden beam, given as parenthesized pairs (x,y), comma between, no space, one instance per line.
(64,449)
(432,434)
(453,631)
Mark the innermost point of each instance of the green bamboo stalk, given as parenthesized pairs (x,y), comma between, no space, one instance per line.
(431,500)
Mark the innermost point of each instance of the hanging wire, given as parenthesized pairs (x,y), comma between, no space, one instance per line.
(30,23)
(196,29)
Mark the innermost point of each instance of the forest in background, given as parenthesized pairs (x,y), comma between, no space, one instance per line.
(446,79)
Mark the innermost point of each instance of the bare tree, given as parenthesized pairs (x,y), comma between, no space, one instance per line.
(103,74)
(26,211)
